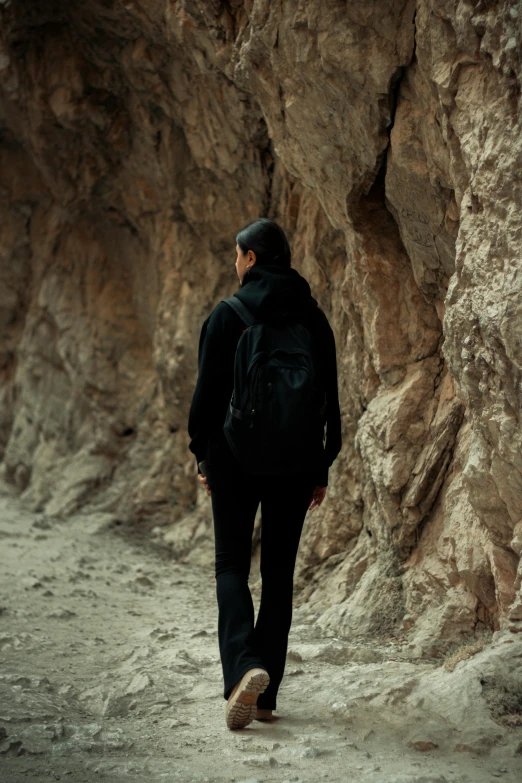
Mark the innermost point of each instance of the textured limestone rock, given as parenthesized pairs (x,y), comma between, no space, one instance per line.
(385,137)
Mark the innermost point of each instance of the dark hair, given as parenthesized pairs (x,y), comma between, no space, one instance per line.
(268,241)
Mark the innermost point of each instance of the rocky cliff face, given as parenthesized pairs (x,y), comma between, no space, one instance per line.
(385,137)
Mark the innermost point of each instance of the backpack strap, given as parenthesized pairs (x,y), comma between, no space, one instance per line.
(241,309)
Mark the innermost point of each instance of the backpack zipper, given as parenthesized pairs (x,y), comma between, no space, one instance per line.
(253,384)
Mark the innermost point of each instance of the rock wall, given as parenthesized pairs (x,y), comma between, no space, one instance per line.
(385,137)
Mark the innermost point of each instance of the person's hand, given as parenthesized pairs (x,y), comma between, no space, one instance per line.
(203,480)
(318,495)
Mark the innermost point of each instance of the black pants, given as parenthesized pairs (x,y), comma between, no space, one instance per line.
(243,645)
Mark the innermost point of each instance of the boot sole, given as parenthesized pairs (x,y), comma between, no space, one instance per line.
(242,706)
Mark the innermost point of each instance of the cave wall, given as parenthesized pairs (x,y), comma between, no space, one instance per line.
(137,139)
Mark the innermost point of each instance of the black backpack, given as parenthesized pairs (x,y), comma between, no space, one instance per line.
(277,413)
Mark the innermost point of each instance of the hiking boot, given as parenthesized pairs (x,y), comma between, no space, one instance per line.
(241,706)
(263,714)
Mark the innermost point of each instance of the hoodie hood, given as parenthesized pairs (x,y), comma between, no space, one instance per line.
(276,294)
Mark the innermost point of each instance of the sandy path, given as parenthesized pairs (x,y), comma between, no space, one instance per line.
(109,670)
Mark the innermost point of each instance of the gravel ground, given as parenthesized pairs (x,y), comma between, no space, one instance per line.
(110,670)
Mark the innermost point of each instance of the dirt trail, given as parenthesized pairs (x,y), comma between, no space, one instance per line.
(109,670)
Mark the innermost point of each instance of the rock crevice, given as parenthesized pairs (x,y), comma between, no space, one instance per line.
(385,138)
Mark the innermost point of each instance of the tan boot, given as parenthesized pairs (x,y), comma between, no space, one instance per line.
(263,714)
(241,705)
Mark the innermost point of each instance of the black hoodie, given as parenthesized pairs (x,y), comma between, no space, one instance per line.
(274,294)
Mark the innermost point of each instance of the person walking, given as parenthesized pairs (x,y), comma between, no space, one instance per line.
(287,484)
